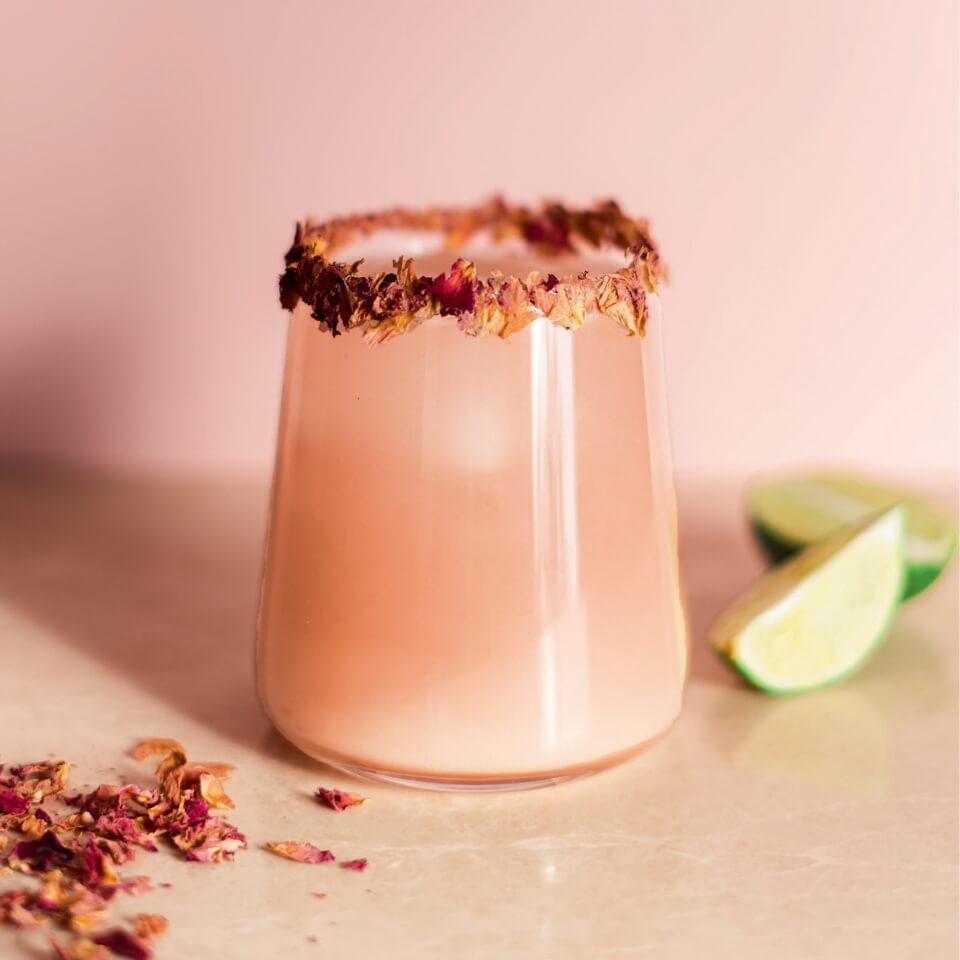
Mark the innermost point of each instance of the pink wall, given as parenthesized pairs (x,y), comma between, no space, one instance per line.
(798,160)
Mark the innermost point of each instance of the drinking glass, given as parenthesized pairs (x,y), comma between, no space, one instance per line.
(471,576)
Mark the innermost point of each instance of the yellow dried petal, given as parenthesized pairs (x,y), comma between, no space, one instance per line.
(156,745)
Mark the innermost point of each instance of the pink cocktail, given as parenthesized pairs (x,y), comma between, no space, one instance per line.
(471,576)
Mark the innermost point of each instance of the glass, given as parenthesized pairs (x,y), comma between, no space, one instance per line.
(471,576)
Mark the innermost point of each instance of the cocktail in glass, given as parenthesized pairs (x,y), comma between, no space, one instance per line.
(471,575)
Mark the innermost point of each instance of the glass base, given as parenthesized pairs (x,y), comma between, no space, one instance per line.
(465,783)
(460,784)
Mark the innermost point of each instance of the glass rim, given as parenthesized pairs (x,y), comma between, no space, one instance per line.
(393,302)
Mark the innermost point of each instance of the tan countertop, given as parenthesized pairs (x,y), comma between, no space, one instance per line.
(816,827)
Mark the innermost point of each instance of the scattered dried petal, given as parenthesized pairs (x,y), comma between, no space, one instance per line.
(86,911)
(213,842)
(134,886)
(74,853)
(97,870)
(211,790)
(15,909)
(12,802)
(301,852)
(41,854)
(82,949)
(124,944)
(35,781)
(221,771)
(52,896)
(35,823)
(176,777)
(149,925)
(153,746)
(338,799)
(359,864)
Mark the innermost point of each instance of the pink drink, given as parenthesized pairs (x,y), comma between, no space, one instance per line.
(471,573)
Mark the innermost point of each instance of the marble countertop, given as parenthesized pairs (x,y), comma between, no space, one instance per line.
(817,827)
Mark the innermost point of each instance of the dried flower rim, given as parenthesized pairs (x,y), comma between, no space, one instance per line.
(387,304)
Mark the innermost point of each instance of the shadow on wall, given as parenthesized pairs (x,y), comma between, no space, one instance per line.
(60,388)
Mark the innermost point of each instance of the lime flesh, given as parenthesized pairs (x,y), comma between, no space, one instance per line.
(790,513)
(818,617)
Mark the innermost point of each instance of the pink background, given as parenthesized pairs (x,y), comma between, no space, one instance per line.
(798,161)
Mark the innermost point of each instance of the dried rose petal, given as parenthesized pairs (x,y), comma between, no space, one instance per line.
(97,870)
(221,771)
(456,291)
(301,852)
(195,810)
(15,909)
(149,925)
(107,798)
(549,234)
(211,789)
(124,944)
(82,949)
(156,745)
(125,832)
(87,910)
(52,896)
(213,842)
(134,886)
(175,777)
(360,864)
(11,802)
(41,854)
(393,302)
(338,799)
(37,780)
(35,823)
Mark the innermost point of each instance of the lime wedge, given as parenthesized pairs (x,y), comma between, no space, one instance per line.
(789,513)
(818,617)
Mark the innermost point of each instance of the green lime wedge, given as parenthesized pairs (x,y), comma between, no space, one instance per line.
(790,513)
(818,616)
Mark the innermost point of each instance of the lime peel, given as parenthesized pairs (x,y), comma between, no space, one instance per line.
(790,513)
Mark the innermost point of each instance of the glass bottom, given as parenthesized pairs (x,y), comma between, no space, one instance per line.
(467,783)
(459,784)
